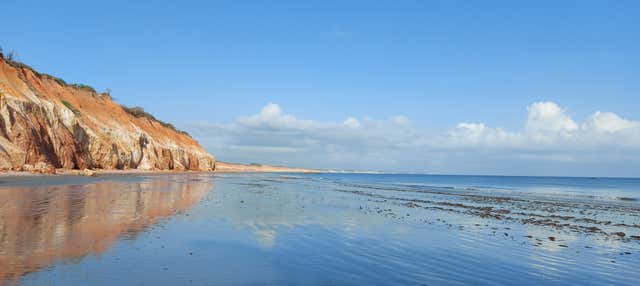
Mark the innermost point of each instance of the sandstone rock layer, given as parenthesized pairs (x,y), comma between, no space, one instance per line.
(46,123)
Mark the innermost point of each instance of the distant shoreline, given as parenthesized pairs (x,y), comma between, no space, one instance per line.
(226,167)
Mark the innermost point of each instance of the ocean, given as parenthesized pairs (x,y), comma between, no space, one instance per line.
(319,229)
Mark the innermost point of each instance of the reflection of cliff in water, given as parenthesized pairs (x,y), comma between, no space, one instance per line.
(44,224)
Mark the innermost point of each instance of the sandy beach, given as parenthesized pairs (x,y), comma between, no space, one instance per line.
(221,167)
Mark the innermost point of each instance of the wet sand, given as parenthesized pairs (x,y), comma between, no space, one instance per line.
(316,229)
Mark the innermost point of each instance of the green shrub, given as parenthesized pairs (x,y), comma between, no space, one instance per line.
(57,79)
(83,86)
(71,107)
(139,112)
(10,58)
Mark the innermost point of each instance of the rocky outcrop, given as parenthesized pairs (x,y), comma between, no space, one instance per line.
(47,124)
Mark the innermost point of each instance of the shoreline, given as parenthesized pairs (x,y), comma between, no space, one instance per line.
(221,168)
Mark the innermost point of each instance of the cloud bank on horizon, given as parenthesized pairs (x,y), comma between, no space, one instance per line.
(550,142)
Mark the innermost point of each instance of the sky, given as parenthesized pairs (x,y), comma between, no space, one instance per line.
(446,87)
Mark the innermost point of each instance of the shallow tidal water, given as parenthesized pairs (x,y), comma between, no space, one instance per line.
(319,229)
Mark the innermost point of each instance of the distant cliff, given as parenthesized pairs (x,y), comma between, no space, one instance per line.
(258,168)
(46,123)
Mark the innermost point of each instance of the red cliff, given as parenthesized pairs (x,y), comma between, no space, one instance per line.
(46,123)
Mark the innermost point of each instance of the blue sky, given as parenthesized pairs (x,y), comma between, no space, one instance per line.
(436,63)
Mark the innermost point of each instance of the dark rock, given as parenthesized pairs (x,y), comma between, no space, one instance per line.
(620,234)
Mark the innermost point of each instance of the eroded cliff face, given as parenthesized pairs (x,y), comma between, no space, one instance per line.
(47,124)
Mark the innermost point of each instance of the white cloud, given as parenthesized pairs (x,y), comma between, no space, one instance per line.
(400,120)
(271,117)
(352,122)
(549,127)
(549,135)
(473,134)
(608,122)
(548,116)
